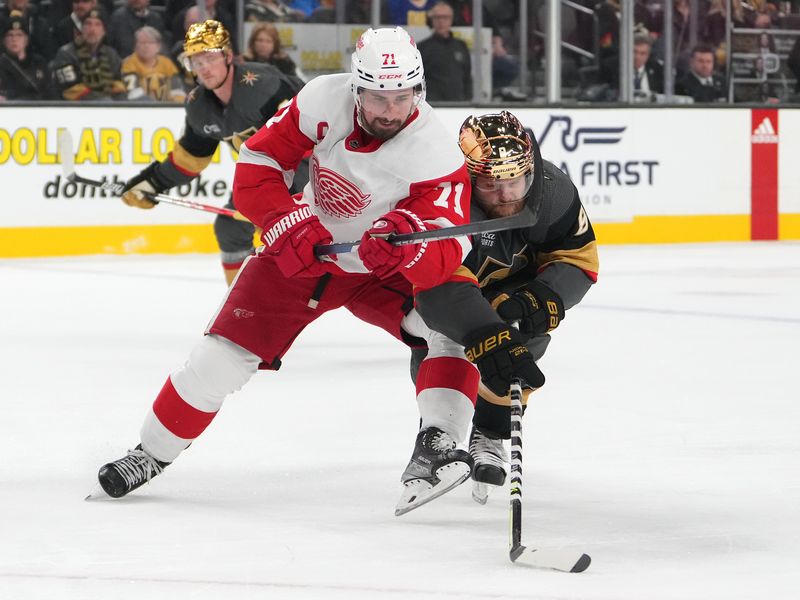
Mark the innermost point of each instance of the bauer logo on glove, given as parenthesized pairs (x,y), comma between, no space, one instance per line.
(498,352)
(487,345)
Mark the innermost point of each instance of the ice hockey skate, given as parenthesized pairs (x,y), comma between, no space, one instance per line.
(436,467)
(122,476)
(490,458)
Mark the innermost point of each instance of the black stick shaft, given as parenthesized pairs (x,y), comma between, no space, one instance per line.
(524,219)
(516,464)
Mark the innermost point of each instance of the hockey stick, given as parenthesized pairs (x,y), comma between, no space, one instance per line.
(518,221)
(67,159)
(526,218)
(570,561)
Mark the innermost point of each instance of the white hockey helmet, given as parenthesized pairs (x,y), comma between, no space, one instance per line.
(387,59)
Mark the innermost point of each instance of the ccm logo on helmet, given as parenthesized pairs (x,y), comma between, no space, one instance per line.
(392,76)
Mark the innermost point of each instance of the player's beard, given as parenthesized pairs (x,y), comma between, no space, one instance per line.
(501,209)
(383,130)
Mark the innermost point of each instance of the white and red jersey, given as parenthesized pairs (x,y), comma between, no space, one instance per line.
(355,179)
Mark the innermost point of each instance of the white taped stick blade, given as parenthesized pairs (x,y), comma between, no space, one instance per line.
(65,156)
(569,561)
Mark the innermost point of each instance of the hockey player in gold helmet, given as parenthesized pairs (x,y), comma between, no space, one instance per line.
(526,278)
(211,117)
(207,53)
(499,156)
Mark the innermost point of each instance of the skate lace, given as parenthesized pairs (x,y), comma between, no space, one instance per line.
(138,466)
(486,450)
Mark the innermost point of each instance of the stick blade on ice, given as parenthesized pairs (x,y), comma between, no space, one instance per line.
(569,561)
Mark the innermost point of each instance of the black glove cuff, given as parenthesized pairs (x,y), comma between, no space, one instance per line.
(151,175)
(537,308)
(545,295)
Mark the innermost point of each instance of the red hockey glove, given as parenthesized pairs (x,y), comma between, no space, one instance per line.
(291,238)
(381,257)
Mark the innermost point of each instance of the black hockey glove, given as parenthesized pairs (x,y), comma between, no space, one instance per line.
(500,355)
(536,308)
(146,182)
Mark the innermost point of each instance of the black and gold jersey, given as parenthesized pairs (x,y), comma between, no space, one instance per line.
(559,251)
(258,91)
(81,72)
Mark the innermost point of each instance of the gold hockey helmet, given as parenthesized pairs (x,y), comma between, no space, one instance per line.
(496,145)
(208,36)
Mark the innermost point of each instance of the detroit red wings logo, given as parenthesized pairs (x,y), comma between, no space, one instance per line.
(335,195)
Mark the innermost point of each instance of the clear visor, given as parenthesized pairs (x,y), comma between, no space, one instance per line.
(203,59)
(396,101)
(505,190)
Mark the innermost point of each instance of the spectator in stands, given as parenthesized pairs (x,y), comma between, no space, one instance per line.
(410,13)
(324,13)
(505,71)
(304,6)
(264,46)
(23,75)
(648,72)
(214,10)
(55,10)
(758,14)
(446,58)
(701,82)
(149,74)
(127,19)
(766,43)
(89,69)
(608,25)
(68,29)
(271,11)
(715,27)
(681,26)
(40,40)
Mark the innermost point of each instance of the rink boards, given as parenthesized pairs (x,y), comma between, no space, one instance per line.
(645,175)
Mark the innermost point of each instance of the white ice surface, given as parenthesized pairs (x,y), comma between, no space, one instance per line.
(666,444)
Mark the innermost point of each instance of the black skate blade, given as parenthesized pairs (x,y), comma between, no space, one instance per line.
(567,561)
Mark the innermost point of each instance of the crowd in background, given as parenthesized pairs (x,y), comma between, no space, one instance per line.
(129,49)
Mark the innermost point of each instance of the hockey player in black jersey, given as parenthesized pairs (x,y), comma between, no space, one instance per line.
(515,285)
(230,103)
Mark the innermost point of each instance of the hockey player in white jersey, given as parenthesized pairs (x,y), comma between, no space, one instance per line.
(381,163)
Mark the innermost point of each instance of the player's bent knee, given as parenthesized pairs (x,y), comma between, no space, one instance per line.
(216,367)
